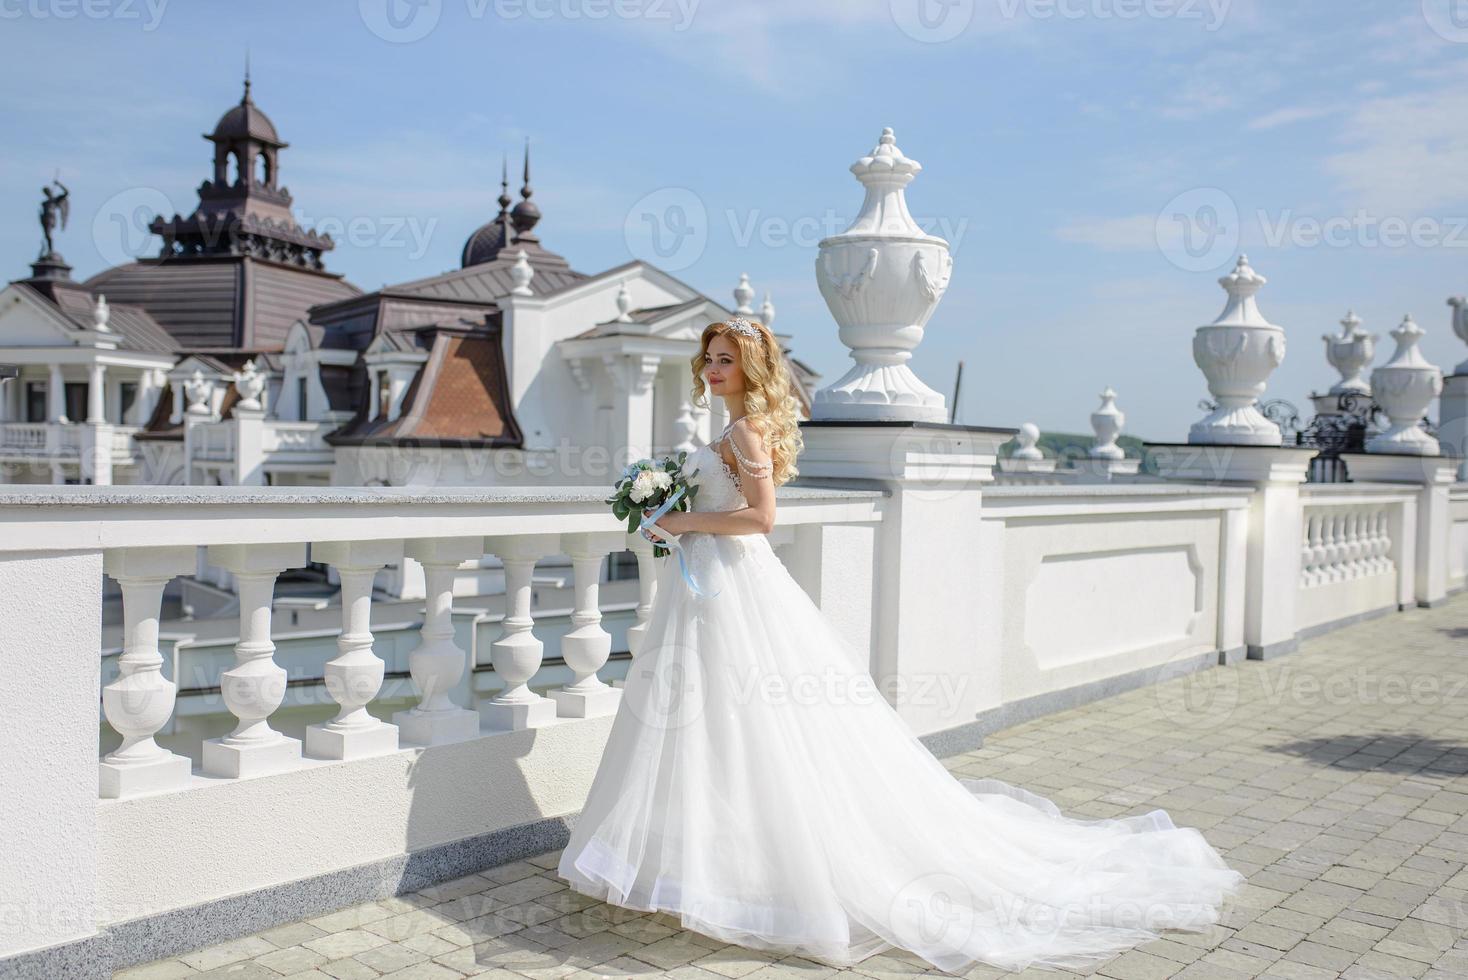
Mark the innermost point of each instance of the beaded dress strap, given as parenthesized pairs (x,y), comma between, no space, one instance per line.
(755,469)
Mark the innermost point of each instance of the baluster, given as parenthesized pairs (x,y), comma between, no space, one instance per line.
(1306,566)
(587,647)
(255,687)
(1321,546)
(1333,546)
(437,663)
(517,654)
(1312,551)
(354,677)
(647,585)
(1353,542)
(1384,542)
(140,701)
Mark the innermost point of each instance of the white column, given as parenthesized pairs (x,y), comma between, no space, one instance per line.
(354,677)
(249,446)
(517,654)
(96,392)
(56,395)
(255,687)
(935,475)
(178,404)
(143,401)
(374,397)
(587,647)
(437,664)
(647,581)
(140,701)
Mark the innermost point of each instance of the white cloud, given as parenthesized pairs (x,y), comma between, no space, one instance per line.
(1128,234)
(1290,115)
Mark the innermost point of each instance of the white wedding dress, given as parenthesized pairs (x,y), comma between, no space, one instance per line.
(756,785)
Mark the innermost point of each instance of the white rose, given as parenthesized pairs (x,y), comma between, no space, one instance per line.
(643,486)
(662,479)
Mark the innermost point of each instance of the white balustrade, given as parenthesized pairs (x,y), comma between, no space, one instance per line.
(140,701)
(437,664)
(255,687)
(29,436)
(587,647)
(1342,543)
(355,676)
(517,654)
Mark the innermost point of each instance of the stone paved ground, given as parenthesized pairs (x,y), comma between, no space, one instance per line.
(1333,777)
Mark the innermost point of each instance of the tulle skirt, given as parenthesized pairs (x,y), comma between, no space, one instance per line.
(756,785)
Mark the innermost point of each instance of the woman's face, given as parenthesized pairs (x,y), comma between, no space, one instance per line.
(721,370)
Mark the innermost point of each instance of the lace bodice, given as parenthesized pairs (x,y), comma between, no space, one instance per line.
(718,489)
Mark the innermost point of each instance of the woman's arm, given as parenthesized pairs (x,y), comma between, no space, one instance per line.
(755,469)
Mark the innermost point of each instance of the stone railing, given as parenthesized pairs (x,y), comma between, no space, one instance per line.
(1098,587)
(1352,558)
(29,437)
(499,766)
(295,437)
(482,746)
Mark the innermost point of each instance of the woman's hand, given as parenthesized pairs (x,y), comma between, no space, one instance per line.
(671,522)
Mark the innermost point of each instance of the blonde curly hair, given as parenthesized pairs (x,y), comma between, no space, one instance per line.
(770,405)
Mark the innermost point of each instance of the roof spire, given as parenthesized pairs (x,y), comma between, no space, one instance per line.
(245,99)
(525,190)
(527,212)
(505,184)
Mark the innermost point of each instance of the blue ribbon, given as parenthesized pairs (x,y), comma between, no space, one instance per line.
(644,528)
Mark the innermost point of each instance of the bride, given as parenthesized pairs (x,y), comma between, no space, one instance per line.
(756,785)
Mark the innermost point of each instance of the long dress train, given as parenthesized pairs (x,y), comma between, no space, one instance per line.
(756,785)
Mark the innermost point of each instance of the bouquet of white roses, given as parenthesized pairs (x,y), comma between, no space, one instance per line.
(648,484)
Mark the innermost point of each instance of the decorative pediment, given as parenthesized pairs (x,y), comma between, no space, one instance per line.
(28,320)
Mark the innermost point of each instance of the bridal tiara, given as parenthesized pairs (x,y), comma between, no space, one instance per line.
(740,325)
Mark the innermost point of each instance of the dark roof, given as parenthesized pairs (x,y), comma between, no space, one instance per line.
(459,396)
(136,330)
(215,301)
(489,281)
(486,241)
(247,121)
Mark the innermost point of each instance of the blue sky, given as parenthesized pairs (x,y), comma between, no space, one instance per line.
(1095,163)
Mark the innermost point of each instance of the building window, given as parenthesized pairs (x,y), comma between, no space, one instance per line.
(127,395)
(384,395)
(301,413)
(76,401)
(35,401)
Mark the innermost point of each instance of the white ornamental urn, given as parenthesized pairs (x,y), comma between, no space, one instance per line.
(1106,422)
(1460,326)
(198,391)
(250,384)
(1349,353)
(1237,353)
(1404,387)
(882,278)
